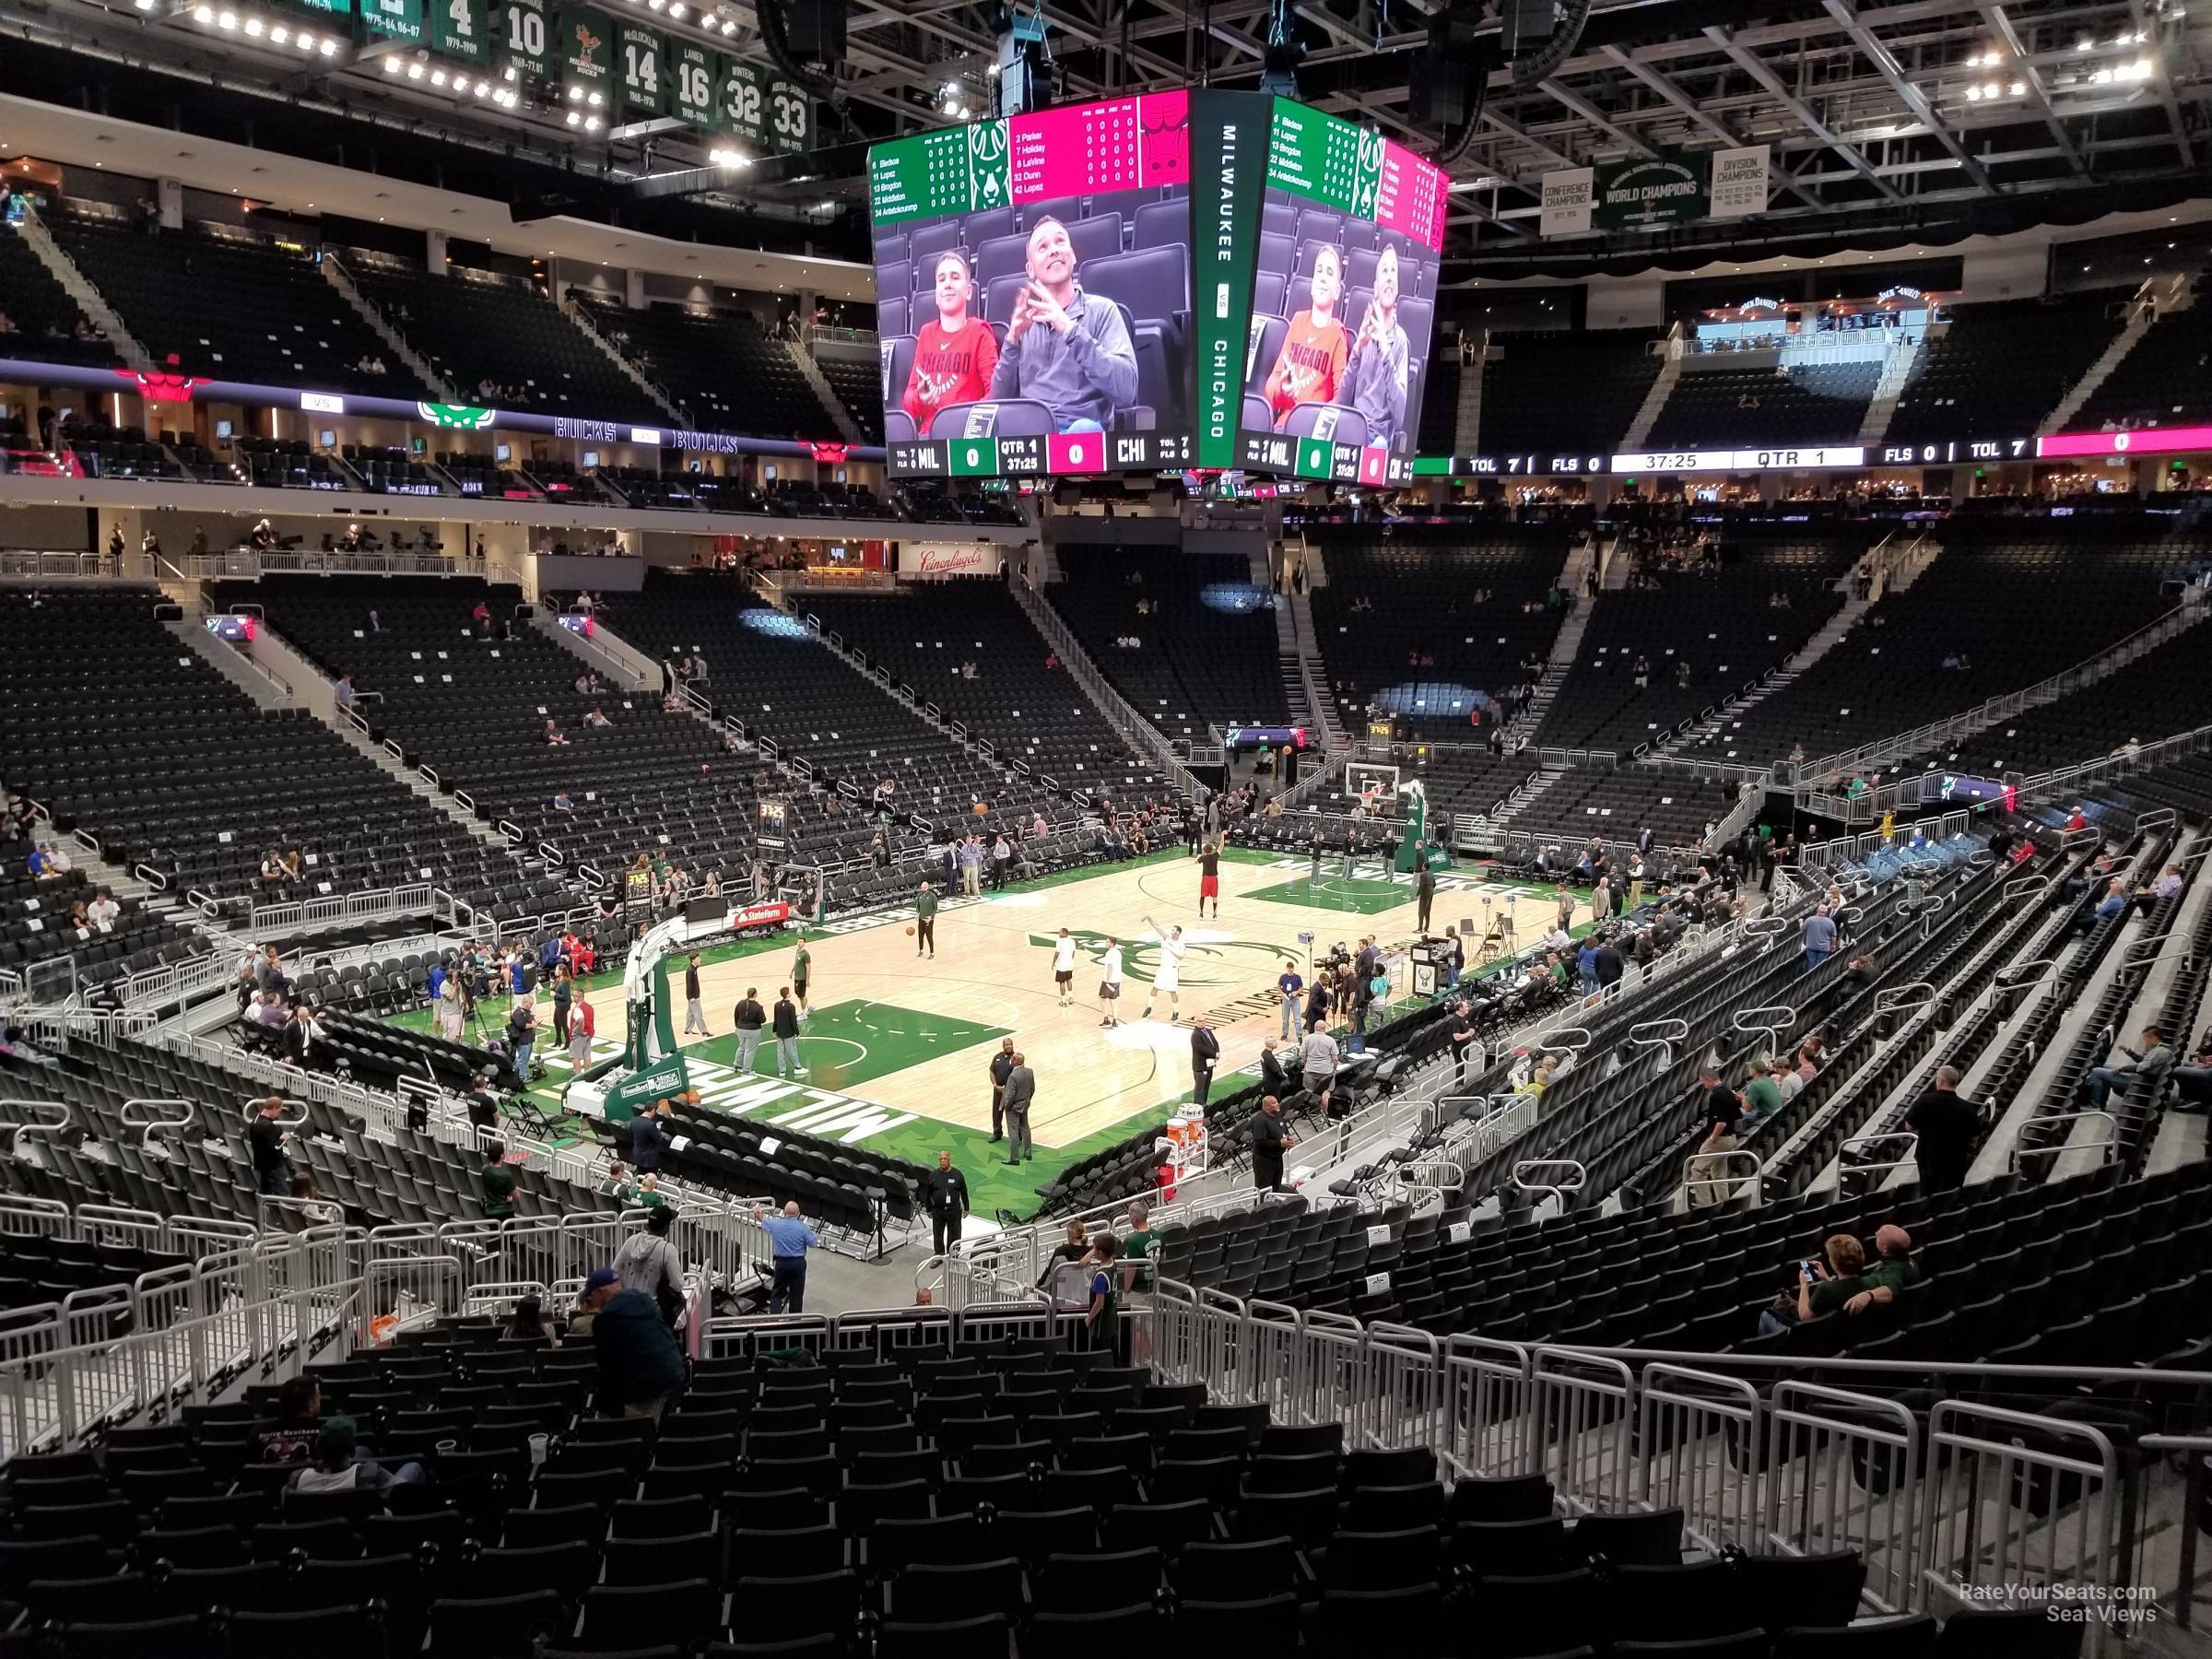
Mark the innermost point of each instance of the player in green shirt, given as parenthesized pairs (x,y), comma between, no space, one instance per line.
(801,966)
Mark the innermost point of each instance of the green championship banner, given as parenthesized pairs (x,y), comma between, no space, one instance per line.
(1655,193)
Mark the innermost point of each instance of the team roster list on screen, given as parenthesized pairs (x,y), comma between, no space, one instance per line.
(1343,301)
(1032,284)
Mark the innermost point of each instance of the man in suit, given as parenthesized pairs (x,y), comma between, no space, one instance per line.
(1276,1076)
(1014,1099)
(1205,1049)
(1645,841)
(1001,1063)
(649,1138)
(297,1039)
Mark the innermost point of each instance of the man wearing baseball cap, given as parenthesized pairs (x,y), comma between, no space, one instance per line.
(640,1368)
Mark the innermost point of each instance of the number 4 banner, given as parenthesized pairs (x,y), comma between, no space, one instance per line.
(457,29)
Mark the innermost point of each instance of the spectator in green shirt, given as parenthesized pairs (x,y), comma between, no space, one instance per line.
(1136,1251)
(1893,1270)
(499,1183)
(1763,1094)
(1822,1289)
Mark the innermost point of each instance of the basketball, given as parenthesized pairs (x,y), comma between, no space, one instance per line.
(981,810)
(910,933)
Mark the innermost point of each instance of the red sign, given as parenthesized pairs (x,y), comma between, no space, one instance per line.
(1375,465)
(760,915)
(160,387)
(831,452)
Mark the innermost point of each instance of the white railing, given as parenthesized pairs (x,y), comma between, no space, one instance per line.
(1966,1501)
(38,565)
(159,986)
(250,564)
(373,904)
(2077,779)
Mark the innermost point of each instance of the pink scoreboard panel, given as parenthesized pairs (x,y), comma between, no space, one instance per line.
(1122,144)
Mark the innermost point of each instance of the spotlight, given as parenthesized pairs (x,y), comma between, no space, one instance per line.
(437,77)
(414,71)
(391,65)
(227,20)
(328,48)
(253,27)
(591,124)
(483,88)
(1973,95)
(575,119)
(304,40)
(280,35)
(2019,88)
(594,100)
(575,94)
(678,11)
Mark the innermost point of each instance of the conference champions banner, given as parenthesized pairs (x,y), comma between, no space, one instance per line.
(1229,173)
(1655,193)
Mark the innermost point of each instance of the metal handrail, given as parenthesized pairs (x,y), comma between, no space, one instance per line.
(2109,1145)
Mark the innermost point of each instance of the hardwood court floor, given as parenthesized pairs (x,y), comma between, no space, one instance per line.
(897,1046)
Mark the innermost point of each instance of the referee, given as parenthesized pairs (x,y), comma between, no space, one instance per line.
(789,1240)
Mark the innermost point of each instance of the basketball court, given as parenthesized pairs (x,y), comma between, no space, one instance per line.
(895,1046)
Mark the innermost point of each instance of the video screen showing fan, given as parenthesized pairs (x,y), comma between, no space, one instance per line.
(1343,301)
(1033,291)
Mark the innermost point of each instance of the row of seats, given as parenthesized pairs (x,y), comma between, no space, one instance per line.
(1206,652)
(123,731)
(230,306)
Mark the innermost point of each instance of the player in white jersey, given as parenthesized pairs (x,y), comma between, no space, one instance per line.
(1110,982)
(1064,966)
(1168,976)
